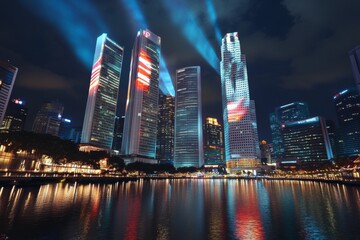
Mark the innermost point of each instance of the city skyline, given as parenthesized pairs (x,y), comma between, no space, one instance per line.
(267,62)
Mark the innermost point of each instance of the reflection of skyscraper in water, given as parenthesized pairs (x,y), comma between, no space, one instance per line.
(99,120)
(240,128)
(141,113)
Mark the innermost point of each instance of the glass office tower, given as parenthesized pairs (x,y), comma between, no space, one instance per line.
(141,113)
(240,129)
(188,147)
(354,55)
(165,135)
(213,142)
(7,79)
(347,106)
(99,120)
(287,113)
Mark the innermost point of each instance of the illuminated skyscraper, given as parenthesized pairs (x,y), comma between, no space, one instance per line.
(347,106)
(15,117)
(354,55)
(240,129)
(213,142)
(48,118)
(188,148)
(141,113)
(165,135)
(7,79)
(99,120)
(306,141)
(287,113)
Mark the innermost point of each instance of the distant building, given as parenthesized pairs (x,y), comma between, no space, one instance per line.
(99,120)
(15,117)
(141,113)
(188,146)
(48,118)
(240,128)
(7,79)
(213,142)
(118,133)
(65,129)
(347,106)
(165,134)
(266,150)
(284,114)
(354,55)
(333,136)
(306,141)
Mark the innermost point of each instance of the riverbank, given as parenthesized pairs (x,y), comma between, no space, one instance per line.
(39,180)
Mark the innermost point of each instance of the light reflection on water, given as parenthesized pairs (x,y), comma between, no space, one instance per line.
(181,209)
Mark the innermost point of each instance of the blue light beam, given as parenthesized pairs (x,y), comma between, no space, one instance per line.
(182,16)
(165,82)
(213,19)
(78,21)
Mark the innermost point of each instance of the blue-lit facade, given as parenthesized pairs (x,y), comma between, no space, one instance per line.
(7,79)
(347,106)
(354,55)
(287,113)
(306,141)
(240,128)
(188,145)
(99,120)
(141,114)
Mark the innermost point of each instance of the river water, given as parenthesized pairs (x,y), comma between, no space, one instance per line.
(181,209)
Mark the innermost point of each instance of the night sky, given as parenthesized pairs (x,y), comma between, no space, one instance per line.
(296,50)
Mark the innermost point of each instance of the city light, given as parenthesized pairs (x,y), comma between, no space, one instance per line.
(78,21)
(185,19)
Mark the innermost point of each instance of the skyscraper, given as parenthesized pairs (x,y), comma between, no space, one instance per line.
(48,118)
(287,113)
(354,55)
(213,142)
(165,135)
(188,148)
(306,141)
(240,134)
(99,120)
(15,117)
(118,132)
(7,79)
(347,106)
(141,113)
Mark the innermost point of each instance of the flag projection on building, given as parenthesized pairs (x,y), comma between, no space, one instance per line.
(144,71)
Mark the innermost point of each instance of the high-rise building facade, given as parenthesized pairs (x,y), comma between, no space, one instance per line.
(347,106)
(287,113)
(48,118)
(188,146)
(15,117)
(266,150)
(240,129)
(7,79)
(165,134)
(118,133)
(354,55)
(99,120)
(306,141)
(213,142)
(141,113)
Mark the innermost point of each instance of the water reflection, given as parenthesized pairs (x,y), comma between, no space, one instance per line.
(181,209)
